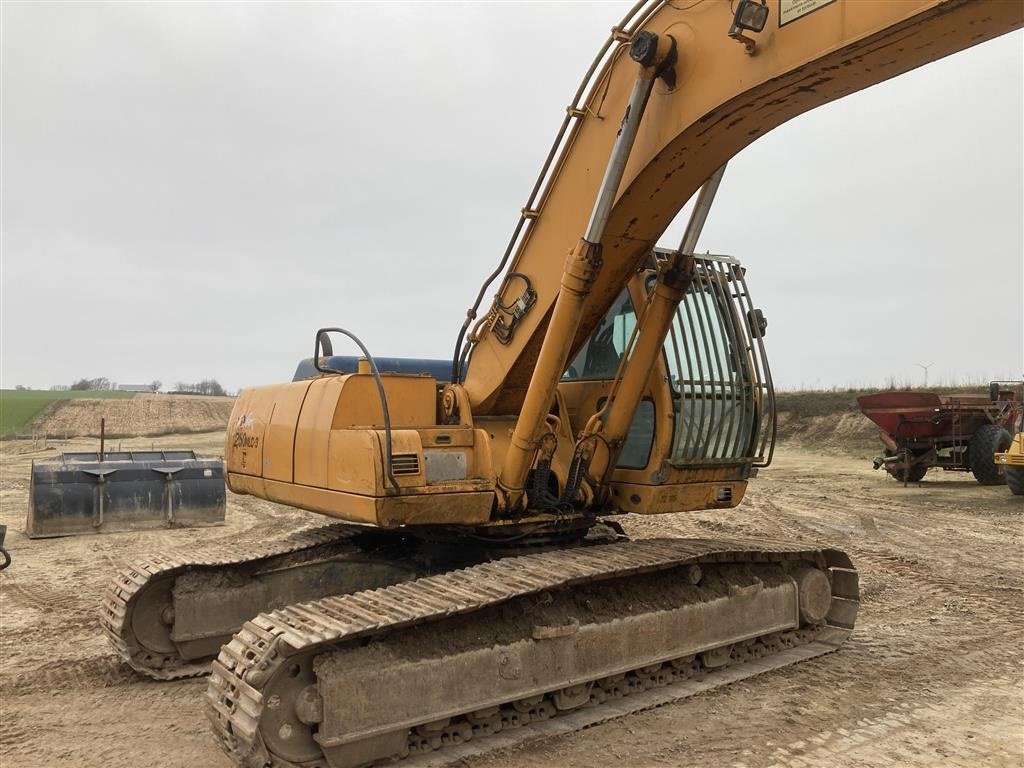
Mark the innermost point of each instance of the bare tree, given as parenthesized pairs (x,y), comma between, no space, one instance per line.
(88,384)
(204,387)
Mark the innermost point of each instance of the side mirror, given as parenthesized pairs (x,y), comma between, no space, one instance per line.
(757,323)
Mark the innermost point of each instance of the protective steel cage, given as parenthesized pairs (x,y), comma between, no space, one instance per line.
(722,385)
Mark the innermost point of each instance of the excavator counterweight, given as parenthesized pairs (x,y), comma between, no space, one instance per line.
(479,586)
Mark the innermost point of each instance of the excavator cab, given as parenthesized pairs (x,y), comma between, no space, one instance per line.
(704,419)
(712,381)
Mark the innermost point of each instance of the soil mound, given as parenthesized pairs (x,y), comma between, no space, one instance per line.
(828,421)
(142,415)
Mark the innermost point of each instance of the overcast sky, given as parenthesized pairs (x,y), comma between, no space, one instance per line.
(190,189)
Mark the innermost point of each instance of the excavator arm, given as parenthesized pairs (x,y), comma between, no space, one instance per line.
(722,97)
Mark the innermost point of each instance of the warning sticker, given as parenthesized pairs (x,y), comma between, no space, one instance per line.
(791,10)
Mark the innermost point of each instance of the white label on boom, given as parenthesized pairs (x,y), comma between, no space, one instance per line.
(791,10)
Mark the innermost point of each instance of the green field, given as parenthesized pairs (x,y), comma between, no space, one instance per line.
(20,407)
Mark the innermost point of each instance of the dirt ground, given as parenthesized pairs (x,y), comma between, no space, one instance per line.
(932,675)
(139,415)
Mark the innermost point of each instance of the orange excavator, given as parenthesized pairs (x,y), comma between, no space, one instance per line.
(478,585)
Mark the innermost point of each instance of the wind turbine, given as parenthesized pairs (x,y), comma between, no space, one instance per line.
(925,368)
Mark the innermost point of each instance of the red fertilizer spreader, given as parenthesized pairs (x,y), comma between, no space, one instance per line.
(921,430)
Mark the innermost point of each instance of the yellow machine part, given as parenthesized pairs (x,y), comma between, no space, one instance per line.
(722,101)
(320,445)
(1014,455)
(1011,462)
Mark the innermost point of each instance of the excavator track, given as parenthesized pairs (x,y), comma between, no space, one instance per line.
(144,588)
(167,616)
(462,661)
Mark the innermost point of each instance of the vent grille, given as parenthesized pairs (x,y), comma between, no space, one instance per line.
(405,464)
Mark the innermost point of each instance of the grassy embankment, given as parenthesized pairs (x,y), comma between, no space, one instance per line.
(20,407)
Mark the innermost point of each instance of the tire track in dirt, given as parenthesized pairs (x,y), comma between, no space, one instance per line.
(40,597)
(162,725)
(923,677)
(903,731)
(99,671)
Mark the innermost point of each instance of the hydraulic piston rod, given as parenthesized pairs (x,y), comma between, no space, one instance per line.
(701,208)
(581,268)
(674,279)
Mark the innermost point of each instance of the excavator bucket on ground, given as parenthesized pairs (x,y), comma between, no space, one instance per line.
(77,493)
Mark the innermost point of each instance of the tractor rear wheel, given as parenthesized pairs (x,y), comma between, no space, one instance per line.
(988,440)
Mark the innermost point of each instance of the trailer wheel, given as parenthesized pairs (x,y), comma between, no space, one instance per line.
(1015,479)
(988,440)
(914,474)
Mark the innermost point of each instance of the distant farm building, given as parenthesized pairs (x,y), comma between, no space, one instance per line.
(135,388)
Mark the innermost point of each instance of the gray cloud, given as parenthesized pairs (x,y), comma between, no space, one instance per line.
(189,190)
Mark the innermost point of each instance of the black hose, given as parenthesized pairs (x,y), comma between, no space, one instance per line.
(321,335)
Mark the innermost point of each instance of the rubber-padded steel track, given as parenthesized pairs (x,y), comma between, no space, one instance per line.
(235,697)
(132,584)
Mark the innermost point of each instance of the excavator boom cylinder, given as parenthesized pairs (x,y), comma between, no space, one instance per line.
(674,279)
(701,209)
(582,266)
(620,154)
